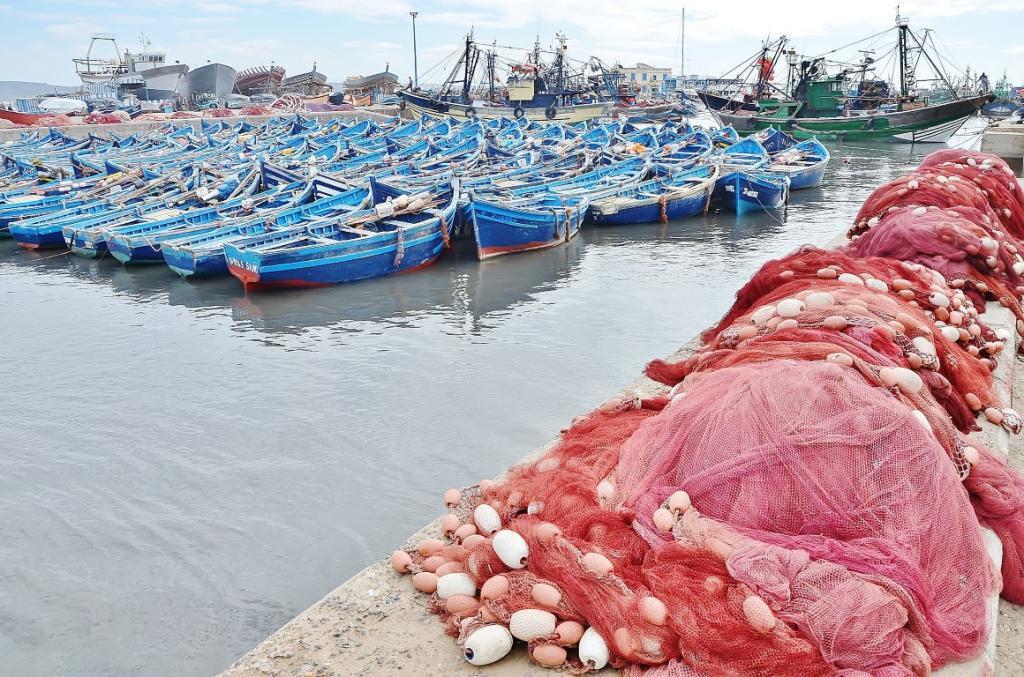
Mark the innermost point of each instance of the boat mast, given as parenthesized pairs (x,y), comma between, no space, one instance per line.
(490,71)
(901,27)
(682,48)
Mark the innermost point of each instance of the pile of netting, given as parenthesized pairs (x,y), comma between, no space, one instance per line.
(804,495)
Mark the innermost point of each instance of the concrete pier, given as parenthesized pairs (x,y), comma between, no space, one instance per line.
(377,624)
(1005,139)
(380,113)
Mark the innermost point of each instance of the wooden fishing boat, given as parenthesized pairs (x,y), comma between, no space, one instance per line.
(509,226)
(679,195)
(804,163)
(362,245)
(743,191)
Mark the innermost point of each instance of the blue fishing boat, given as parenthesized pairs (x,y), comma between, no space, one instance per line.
(679,195)
(748,191)
(517,225)
(392,237)
(804,163)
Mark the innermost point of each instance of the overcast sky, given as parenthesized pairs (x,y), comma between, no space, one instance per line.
(350,37)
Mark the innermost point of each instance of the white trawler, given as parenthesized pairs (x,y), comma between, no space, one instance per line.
(145,73)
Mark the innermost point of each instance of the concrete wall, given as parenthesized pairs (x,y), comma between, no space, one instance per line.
(1007,141)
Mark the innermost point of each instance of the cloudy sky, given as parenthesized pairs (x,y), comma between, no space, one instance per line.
(349,37)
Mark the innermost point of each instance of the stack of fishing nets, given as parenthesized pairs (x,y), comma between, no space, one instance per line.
(804,497)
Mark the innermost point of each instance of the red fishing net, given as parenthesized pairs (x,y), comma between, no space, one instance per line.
(804,501)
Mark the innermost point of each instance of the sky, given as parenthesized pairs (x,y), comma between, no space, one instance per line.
(360,37)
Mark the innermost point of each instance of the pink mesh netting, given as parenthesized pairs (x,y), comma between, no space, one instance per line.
(805,500)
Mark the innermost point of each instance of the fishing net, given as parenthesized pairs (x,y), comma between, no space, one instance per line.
(805,500)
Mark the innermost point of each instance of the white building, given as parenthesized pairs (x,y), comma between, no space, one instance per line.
(648,79)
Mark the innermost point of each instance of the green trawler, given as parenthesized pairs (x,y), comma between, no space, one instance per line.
(852,105)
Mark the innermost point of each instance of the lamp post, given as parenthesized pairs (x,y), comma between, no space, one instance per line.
(415,61)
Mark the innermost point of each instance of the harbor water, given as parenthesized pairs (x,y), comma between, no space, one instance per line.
(185,467)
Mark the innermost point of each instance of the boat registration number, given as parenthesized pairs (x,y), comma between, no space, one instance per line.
(750,193)
(244,265)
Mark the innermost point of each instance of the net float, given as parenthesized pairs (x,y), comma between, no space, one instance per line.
(773,323)
(1018,267)
(425,581)
(449,523)
(841,359)
(988,244)
(746,332)
(461,605)
(850,278)
(527,624)
(549,655)
(973,350)
(877,285)
(835,322)
(514,499)
(923,345)
(906,295)
(624,642)
(653,610)
(593,651)
(941,313)
(790,308)
(973,401)
(596,563)
(456,553)
(455,584)
(473,540)
(922,419)
(487,519)
(679,502)
(487,616)
(974,330)
(433,562)
(972,456)
(938,299)
(788,323)
(431,546)
(994,415)
(545,594)
(487,645)
(819,300)
(569,633)
(494,587)
(827,274)
(761,316)
(605,490)
(464,531)
(450,568)
(400,561)
(758,614)
(786,274)
(510,548)
(534,508)
(907,321)
(452,497)
(663,519)
(965,335)
(899,284)
(907,380)
(546,532)
(950,333)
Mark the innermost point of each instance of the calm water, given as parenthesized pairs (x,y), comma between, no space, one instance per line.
(184,467)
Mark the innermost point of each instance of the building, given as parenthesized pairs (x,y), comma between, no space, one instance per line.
(648,79)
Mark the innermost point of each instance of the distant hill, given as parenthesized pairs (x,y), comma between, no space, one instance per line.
(18,89)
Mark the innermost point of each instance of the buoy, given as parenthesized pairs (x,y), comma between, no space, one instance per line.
(548,464)
(487,519)
(761,316)
(841,359)
(569,633)
(850,278)
(653,610)
(922,419)
(462,605)
(746,332)
(527,624)
(494,587)
(549,655)
(790,308)
(433,562)
(452,497)
(758,614)
(596,563)
(400,561)
(835,322)
(923,345)
(663,519)
(973,401)
(464,531)
(425,581)
(450,567)
(545,595)
(449,523)
(455,584)
(938,299)
(994,415)
(877,285)
(907,380)
(488,644)
(819,300)
(593,650)
(510,548)
(431,546)
(679,502)
(899,284)
(545,532)
(605,490)
(473,540)
(788,323)
(827,274)
(950,333)
(972,456)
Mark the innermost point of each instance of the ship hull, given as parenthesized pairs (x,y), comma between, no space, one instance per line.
(932,124)
(215,78)
(417,105)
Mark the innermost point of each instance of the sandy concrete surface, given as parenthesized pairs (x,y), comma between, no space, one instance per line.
(1010,640)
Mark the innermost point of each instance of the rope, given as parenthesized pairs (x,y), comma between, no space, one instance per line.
(444,231)
(663,209)
(400,250)
(568,218)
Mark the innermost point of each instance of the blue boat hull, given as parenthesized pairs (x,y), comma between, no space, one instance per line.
(371,260)
(501,230)
(83,245)
(188,265)
(33,237)
(125,252)
(808,178)
(651,213)
(743,193)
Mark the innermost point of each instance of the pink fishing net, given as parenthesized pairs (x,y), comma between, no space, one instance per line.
(805,500)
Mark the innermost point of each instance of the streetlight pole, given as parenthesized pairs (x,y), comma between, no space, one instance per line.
(415,60)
